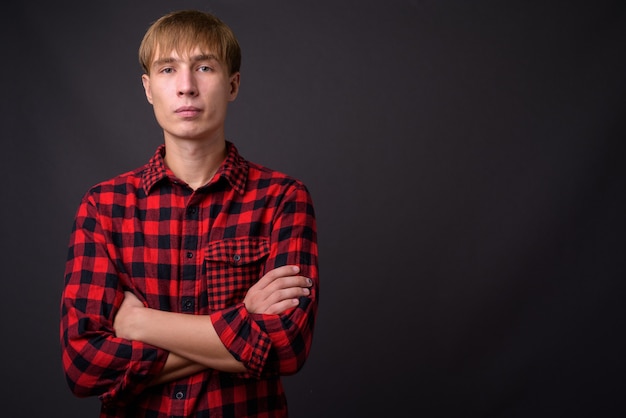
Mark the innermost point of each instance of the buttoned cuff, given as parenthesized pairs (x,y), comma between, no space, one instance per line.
(243,338)
(146,363)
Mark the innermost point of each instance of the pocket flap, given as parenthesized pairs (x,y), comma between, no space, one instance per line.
(238,251)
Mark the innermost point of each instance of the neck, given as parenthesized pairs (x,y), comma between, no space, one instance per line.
(193,162)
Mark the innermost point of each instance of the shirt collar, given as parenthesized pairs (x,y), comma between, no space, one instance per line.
(234,169)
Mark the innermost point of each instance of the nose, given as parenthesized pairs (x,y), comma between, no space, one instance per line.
(187,84)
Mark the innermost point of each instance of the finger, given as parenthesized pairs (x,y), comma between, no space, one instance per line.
(272,275)
(288,282)
(282,306)
(291,293)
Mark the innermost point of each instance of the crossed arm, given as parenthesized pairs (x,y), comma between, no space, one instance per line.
(191,340)
(113,345)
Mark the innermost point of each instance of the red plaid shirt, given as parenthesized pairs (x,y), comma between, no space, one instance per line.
(196,252)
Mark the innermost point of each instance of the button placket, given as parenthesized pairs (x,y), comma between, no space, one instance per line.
(190,255)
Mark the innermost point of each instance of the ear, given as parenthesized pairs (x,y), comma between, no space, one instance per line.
(235,80)
(145,80)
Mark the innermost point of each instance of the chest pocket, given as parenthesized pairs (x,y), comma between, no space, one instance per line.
(231,267)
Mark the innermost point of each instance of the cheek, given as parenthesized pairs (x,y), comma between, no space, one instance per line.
(160,110)
(158,101)
(146,86)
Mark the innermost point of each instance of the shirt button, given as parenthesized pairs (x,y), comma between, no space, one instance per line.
(180,395)
(189,254)
(237,258)
(187,304)
(192,210)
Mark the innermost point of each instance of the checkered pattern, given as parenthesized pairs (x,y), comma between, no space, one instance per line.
(192,252)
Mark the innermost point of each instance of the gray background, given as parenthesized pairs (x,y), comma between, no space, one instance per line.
(466,160)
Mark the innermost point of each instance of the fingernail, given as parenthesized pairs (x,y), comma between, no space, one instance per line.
(309,281)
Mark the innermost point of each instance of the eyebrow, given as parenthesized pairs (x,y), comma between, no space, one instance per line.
(195,58)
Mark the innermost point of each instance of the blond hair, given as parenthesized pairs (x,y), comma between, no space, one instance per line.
(185,30)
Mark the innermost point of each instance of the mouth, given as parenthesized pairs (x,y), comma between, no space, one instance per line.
(187,111)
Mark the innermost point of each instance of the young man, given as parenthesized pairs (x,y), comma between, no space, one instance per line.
(191,283)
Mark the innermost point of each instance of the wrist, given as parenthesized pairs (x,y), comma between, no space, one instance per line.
(138,324)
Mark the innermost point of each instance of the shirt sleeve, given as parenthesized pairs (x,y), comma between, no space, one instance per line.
(95,361)
(279,344)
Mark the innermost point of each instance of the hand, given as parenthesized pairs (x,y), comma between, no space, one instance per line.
(126,316)
(277,291)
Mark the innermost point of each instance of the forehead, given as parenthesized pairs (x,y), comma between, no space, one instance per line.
(181,47)
(195,52)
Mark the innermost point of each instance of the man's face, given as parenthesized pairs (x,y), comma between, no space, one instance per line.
(190,94)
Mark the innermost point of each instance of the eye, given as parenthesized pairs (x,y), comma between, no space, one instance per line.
(205,69)
(167,70)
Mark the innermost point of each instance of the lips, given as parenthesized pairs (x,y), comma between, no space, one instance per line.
(187,111)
